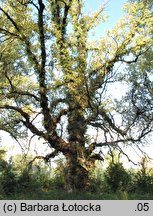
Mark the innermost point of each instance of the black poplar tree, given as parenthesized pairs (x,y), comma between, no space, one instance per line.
(51,72)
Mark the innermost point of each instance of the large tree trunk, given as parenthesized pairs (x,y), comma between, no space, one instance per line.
(77,166)
(80,158)
(77,177)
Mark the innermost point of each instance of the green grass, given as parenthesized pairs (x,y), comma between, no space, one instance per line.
(63,195)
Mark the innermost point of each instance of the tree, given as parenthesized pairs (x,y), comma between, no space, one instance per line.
(53,74)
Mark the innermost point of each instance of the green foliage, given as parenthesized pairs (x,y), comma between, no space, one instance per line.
(144,178)
(9,181)
(3,163)
(144,183)
(59,175)
(50,69)
(117,177)
(114,182)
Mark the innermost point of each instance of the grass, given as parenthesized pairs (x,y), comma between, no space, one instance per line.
(63,195)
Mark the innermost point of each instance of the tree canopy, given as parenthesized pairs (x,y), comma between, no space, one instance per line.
(54,79)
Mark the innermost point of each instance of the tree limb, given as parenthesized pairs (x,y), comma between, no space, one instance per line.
(25,93)
(10,19)
(60,114)
(45,158)
(109,120)
(27,122)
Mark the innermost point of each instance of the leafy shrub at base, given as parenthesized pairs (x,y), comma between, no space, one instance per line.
(116,177)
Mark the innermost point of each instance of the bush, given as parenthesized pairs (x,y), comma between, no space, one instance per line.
(144,183)
(8,181)
(116,177)
(58,178)
(144,178)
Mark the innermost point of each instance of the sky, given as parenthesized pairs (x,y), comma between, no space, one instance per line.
(114,11)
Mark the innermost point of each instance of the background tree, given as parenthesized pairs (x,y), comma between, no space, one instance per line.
(52,73)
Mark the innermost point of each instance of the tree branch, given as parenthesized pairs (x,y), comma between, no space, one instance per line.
(27,122)
(64,21)
(48,121)
(120,149)
(45,158)
(56,101)
(24,93)
(41,34)
(10,19)
(128,139)
(6,32)
(60,114)
(110,122)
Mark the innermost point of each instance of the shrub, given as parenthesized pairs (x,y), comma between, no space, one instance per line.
(8,181)
(116,177)
(144,178)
